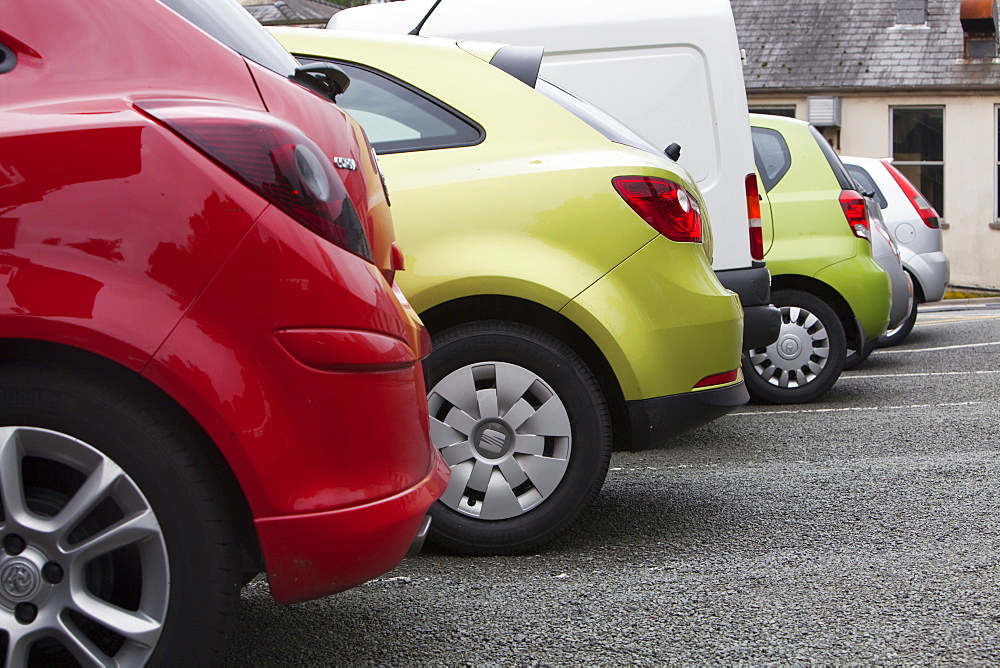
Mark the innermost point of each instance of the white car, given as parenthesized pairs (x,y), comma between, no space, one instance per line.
(916,229)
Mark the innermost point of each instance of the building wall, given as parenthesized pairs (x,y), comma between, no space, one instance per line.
(971,239)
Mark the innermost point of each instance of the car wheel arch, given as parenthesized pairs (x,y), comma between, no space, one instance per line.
(467,310)
(825,292)
(918,290)
(47,354)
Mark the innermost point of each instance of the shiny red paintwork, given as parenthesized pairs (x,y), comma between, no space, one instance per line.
(119,238)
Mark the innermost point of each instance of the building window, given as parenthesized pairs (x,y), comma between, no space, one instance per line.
(979,25)
(918,150)
(781,110)
(996,194)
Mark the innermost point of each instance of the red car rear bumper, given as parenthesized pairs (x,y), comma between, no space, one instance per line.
(317,554)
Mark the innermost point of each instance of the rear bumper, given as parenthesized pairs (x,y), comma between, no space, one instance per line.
(761,319)
(654,421)
(931,271)
(317,554)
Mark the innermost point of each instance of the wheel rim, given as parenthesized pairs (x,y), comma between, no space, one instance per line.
(799,355)
(506,435)
(84,570)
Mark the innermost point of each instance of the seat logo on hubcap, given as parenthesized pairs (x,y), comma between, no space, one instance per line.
(492,441)
(19,579)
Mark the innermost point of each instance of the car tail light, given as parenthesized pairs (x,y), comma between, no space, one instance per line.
(666,206)
(753,214)
(276,160)
(856,210)
(927,212)
(719,378)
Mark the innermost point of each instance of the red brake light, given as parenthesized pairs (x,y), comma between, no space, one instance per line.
(927,212)
(666,206)
(753,214)
(856,211)
(276,160)
(719,378)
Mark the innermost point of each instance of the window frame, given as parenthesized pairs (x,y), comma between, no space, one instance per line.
(995,223)
(784,110)
(409,145)
(898,163)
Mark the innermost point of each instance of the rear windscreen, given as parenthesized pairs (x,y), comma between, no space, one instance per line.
(867,184)
(601,121)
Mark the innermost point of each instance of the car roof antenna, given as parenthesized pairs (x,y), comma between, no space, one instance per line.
(416,31)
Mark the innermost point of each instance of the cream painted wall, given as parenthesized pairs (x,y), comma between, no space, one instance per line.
(970,142)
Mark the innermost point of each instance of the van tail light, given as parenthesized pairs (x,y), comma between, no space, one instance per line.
(753,214)
(274,159)
(856,210)
(927,212)
(666,206)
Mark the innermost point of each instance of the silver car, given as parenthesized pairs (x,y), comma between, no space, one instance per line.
(914,226)
(885,252)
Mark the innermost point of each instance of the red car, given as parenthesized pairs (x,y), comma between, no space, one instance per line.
(204,369)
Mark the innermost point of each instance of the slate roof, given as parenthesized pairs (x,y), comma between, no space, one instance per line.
(812,45)
(292,12)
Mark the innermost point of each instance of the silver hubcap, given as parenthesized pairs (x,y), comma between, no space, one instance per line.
(800,353)
(506,436)
(83,569)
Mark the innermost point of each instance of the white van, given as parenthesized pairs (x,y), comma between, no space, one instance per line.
(669,69)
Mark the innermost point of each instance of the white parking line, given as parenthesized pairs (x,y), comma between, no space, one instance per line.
(856,409)
(886,351)
(927,321)
(914,375)
(938,308)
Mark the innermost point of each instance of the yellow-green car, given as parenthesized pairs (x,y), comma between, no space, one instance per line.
(832,294)
(561,265)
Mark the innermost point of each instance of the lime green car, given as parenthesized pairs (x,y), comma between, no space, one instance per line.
(561,265)
(817,241)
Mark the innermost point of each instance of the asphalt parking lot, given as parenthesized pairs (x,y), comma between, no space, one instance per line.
(859,529)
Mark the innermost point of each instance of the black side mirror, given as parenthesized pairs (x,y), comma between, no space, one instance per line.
(324,78)
(673,151)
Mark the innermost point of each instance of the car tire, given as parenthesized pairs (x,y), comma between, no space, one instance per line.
(894,337)
(112,517)
(806,359)
(856,357)
(525,428)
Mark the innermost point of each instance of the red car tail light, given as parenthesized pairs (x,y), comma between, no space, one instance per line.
(927,212)
(666,206)
(856,211)
(719,378)
(276,160)
(753,214)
